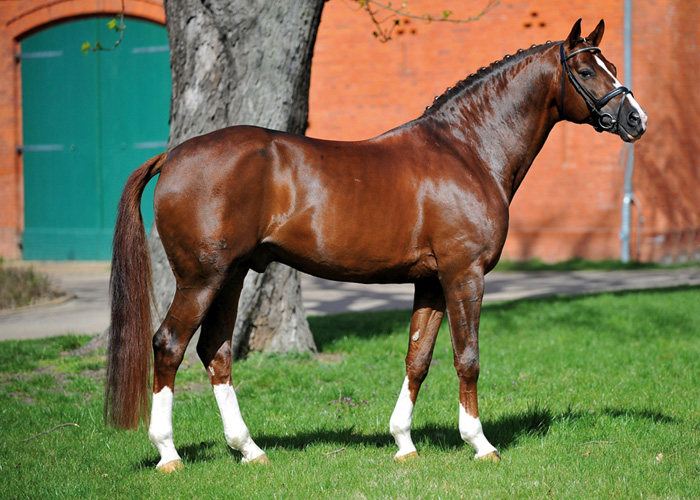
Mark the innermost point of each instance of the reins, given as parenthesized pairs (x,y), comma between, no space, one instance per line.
(603,121)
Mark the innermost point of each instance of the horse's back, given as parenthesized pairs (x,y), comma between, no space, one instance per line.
(356,211)
(314,204)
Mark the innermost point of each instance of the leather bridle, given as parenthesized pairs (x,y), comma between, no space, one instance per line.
(602,121)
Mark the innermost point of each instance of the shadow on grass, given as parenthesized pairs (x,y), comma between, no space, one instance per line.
(365,325)
(508,430)
(192,453)
(505,433)
(653,416)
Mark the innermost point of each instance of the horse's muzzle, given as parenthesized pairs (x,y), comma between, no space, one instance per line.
(633,125)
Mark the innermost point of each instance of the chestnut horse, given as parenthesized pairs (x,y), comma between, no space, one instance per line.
(425,203)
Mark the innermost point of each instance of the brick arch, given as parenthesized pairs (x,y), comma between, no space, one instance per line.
(38,14)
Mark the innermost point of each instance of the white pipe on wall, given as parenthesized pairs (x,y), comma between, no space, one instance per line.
(628,198)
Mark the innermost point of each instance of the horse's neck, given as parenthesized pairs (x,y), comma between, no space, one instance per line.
(504,121)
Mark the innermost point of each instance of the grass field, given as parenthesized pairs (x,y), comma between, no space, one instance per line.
(585,397)
(578,264)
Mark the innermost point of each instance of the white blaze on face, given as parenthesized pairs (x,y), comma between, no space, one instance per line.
(160,431)
(630,98)
(400,423)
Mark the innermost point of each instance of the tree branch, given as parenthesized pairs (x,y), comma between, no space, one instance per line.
(112,26)
(50,430)
(383,33)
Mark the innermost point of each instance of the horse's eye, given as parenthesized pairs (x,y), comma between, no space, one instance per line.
(586,73)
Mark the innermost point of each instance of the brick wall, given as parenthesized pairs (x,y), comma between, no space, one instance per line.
(667,170)
(568,205)
(570,202)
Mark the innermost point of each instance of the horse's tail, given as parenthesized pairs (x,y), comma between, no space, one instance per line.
(131,288)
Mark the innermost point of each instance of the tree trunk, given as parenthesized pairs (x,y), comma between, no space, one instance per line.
(243,62)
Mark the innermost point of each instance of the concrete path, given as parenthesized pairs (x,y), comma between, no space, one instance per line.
(88,311)
(325,297)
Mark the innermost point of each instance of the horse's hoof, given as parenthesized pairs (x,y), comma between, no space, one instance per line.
(490,457)
(172,466)
(405,458)
(262,459)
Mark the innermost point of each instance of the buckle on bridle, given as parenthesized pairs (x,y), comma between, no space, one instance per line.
(603,121)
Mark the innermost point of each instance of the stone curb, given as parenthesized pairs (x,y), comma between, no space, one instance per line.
(62,299)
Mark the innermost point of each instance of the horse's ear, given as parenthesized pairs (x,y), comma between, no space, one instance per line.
(597,34)
(574,36)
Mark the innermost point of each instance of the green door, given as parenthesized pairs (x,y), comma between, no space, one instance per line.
(88,121)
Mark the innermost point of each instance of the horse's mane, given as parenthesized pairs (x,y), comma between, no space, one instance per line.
(482,74)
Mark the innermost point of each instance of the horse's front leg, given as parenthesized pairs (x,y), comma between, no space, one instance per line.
(214,349)
(428,310)
(464,295)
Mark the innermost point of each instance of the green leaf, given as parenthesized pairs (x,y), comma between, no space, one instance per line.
(112,24)
(446,14)
(85,47)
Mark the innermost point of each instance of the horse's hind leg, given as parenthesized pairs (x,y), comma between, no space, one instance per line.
(169,343)
(428,310)
(214,349)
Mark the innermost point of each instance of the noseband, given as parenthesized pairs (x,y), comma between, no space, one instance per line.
(602,121)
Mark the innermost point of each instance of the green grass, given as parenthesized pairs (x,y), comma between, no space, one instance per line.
(585,397)
(578,264)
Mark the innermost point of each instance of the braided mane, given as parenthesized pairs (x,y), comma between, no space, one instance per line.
(482,74)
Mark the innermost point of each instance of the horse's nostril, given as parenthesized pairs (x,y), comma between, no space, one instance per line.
(634,119)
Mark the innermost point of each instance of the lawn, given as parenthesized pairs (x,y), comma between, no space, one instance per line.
(585,397)
(579,264)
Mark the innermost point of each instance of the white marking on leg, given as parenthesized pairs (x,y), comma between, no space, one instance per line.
(400,423)
(416,336)
(471,432)
(160,431)
(235,430)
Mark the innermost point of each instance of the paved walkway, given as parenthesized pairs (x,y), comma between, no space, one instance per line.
(88,311)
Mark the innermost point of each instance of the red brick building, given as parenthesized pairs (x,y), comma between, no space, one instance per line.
(569,204)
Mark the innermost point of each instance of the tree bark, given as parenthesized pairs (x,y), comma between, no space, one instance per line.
(243,62)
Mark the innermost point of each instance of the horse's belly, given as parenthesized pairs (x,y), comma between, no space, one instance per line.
(365,255)
(359,272)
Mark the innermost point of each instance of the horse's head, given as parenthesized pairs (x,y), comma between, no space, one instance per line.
(590,91)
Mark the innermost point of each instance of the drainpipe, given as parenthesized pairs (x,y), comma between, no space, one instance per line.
(628,198)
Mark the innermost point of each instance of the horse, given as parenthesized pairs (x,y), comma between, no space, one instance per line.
(425,203)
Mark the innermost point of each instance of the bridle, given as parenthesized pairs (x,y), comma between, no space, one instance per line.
(602,121)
